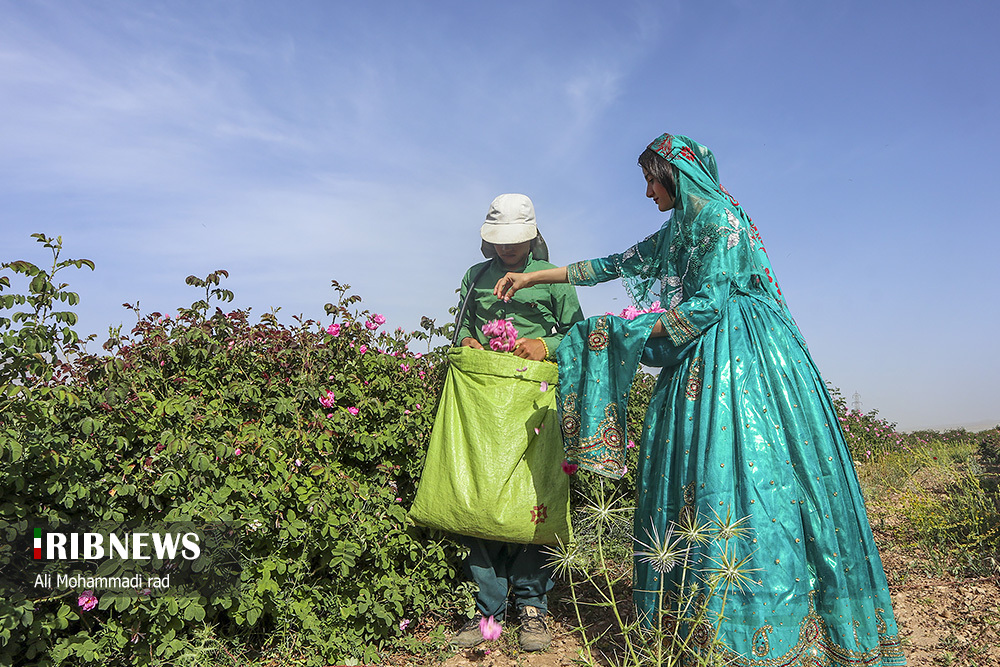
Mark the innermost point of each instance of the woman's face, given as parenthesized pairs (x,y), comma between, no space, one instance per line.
(513,254)
(657,192)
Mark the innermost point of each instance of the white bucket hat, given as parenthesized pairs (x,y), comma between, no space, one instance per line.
(511,219)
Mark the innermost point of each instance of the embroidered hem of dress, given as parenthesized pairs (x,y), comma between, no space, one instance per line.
(815,647)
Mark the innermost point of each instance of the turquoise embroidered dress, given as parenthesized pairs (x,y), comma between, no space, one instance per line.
(740,424)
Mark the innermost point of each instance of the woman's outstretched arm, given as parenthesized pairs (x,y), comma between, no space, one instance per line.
(511,282)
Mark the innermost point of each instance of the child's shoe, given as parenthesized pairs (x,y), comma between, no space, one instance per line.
(469,635)
(535,634)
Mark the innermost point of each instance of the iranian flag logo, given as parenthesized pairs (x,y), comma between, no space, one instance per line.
(38,543)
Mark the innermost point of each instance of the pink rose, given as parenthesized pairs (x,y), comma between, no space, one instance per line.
(328,400)
(490,629)
(87,600)
(502,335)
(569,468)
(353,410)
(333,330)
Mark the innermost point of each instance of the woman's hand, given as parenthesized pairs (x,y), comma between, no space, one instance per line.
(529,348)
(471,342)
(510,283)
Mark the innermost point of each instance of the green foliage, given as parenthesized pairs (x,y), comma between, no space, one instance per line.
(943,501)
(989,447)
(35,334)
(868,436)
(205,416)
(959,528)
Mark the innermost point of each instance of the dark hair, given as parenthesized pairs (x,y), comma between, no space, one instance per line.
(660,169)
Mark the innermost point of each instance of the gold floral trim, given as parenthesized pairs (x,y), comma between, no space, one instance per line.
(689,492)
(688,514)
(815,648)
(879,621)
(581,273)
(570,418)
(693,388)
(679,328)
(598,338)
(761,645)
(602,452)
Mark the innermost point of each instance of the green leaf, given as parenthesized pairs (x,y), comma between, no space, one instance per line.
(194,612)
(20,266)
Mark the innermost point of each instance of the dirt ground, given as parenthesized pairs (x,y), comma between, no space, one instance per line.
(942,622)
(954,623)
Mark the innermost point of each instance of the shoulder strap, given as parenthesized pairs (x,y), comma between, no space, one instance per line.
(465,302)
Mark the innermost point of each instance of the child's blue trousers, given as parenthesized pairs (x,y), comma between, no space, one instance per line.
(499,567)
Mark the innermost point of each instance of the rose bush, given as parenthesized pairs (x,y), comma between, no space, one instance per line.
(307,437)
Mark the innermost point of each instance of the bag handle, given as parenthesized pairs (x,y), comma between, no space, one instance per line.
(465,303)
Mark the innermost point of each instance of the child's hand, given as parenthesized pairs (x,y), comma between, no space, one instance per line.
(509,284)
(529,348)
(468,341)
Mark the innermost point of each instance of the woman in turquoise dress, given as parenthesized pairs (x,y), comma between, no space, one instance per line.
(740,426)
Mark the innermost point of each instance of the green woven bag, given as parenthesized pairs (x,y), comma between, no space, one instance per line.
(494,464)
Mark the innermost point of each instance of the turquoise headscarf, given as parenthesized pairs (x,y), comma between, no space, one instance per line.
(653,269)
(600,356)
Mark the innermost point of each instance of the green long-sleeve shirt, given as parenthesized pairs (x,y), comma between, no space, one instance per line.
(541,311)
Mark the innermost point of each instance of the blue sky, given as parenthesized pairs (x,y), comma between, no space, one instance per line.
(299,142)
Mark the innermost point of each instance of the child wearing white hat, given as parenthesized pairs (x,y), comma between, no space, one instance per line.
(542,315)
(511,241)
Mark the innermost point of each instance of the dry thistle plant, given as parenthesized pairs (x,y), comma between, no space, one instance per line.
(706,558)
